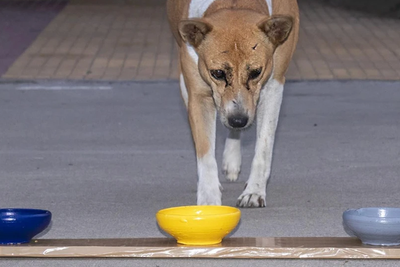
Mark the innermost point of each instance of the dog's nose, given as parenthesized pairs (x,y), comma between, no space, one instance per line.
(238,121)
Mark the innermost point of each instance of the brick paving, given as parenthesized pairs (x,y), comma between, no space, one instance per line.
(20,23)
(130,40)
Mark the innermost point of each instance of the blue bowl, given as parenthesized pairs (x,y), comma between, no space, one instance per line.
(19,226)
(378,226)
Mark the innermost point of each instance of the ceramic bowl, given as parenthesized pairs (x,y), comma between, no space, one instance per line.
(198,225)
(19,226)
(378,226)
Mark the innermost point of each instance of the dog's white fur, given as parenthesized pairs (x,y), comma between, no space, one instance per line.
(198,8)
(184,92)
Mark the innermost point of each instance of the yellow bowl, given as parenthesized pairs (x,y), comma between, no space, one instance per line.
(198,225)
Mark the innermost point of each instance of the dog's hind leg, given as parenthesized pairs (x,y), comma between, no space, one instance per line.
(232,157)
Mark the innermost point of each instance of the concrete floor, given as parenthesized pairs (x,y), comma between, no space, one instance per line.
(104,157)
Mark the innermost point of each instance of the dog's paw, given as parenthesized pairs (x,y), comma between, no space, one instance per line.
(231,166)
(209,199)
(209,195)
(231,173)
(251,200)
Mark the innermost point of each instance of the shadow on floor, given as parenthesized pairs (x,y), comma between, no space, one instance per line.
(387,8)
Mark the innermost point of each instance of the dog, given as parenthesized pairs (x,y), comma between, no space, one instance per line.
(233,58)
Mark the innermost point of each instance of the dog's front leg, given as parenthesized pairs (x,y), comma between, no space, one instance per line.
(202,117)
(267,120)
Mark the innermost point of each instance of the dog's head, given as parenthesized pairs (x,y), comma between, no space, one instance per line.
(235,50)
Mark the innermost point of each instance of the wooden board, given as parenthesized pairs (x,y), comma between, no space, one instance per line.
(246,247)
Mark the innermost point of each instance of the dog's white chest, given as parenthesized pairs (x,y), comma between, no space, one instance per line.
(197,8)
(269,3)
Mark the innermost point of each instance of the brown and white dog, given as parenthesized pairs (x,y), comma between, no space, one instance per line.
(233,58)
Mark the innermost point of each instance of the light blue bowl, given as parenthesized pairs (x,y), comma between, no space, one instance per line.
(378,226)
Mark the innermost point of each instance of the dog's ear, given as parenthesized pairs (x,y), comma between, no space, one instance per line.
(193,31)
(277,28)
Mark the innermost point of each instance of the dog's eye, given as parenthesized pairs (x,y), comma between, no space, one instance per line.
(254,74)
(218,74)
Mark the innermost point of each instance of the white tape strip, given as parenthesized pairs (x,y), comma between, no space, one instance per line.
(42,87)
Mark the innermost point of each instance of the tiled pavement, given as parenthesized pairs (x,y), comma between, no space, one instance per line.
(20,23)
(130,40)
